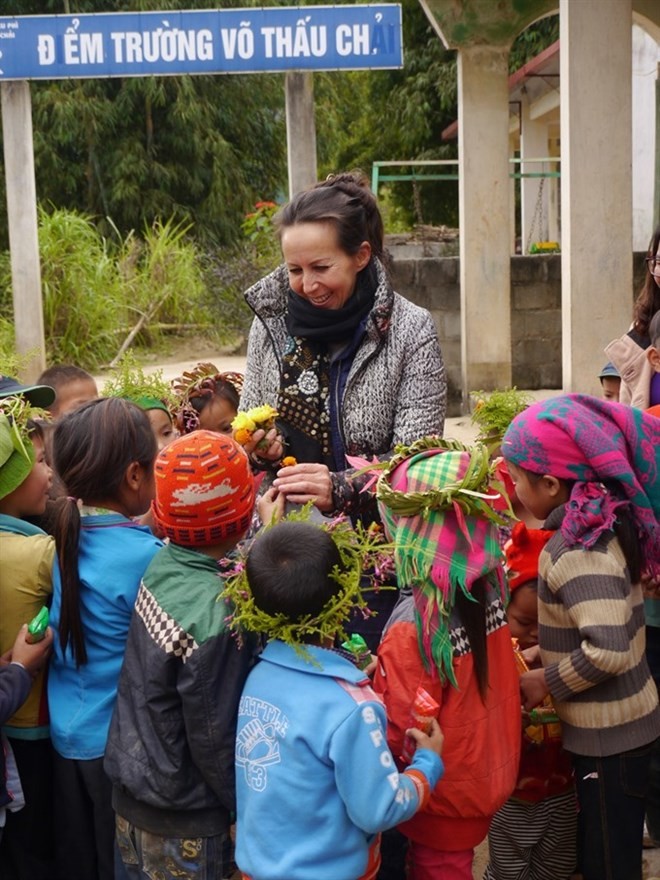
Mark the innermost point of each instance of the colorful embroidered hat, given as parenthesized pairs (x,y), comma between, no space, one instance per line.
(204,490)
(435,499)
(522,553)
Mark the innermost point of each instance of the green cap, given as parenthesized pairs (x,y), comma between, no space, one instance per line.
(16,457)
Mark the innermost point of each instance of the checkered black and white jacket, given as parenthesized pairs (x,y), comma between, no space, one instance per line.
(170,751)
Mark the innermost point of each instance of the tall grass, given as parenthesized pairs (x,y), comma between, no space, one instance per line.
(164,268)
(95,292)
(83,300)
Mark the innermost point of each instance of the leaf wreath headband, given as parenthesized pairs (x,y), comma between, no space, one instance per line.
(199,382)
(363,552)
(473,493)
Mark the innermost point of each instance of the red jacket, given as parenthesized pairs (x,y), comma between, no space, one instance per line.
(481,750)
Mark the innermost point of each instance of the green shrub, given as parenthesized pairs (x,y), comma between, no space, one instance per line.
(230,271)
(95,292)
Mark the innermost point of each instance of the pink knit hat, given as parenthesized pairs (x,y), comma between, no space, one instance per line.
(204,490)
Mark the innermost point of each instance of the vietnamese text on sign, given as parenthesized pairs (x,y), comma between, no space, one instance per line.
(210,41)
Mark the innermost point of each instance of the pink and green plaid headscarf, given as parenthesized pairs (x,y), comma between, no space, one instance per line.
(446,544)
(611,451)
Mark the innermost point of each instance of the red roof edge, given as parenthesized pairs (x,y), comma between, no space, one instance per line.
(451,132)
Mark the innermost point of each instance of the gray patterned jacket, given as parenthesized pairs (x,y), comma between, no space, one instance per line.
(396,389)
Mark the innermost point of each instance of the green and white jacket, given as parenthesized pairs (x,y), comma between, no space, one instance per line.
(170,752)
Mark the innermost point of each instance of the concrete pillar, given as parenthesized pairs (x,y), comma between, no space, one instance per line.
(23,227)
(533,145)
(596,191)
(300,130)
(644,146)
(483,151)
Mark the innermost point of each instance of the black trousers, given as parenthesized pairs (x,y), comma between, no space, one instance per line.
(611,793)
(26,850)
(84,820)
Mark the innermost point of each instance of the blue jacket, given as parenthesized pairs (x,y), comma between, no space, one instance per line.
(315,779)
(113,554)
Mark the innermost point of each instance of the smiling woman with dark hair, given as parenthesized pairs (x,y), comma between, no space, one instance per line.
(352,367)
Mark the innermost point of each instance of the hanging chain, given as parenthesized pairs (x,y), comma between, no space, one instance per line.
(417,203)
(537,215)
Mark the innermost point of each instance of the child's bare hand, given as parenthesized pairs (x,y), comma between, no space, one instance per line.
(532,656)
(32,656)
(434,740)
(533,688)
(271,505)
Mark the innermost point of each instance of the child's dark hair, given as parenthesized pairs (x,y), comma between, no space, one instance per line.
(92,448)
(647,303)
(38,428)
(223,389)
(289,569)
(472,612)
(654,330)
(344,200)
(60,374)
(624,528)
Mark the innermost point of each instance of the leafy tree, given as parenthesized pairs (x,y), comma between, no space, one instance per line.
(395,114)
(391,115)
(197,149)
(203,150)
(532,40)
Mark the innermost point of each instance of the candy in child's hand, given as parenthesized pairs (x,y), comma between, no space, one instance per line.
(424,710)
(37,626)
(357,646)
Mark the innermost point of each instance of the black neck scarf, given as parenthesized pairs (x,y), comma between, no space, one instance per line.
(303,403)
(328,326)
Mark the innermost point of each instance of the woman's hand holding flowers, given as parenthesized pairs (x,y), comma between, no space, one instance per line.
(305,482)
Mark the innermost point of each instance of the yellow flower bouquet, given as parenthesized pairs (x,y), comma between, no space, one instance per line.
(258,418)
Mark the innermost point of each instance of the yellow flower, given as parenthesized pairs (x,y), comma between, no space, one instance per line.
(244,421)
(289,461)
(262,415)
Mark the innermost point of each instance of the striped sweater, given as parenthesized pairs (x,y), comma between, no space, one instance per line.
(592,639)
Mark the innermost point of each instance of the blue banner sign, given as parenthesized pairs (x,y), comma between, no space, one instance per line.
(209,41)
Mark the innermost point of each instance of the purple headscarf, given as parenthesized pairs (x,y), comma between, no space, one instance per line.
(610,451)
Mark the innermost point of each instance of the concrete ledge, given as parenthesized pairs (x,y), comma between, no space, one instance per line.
(536,339)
